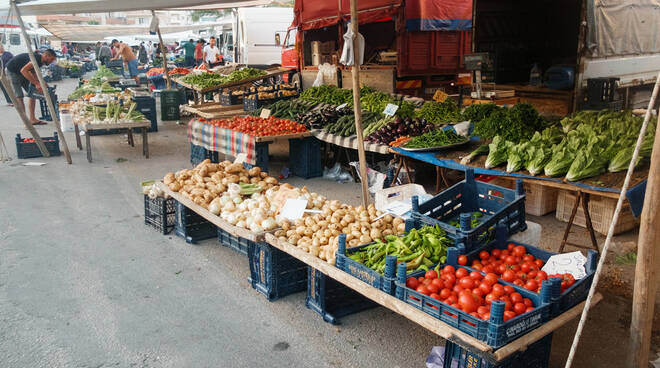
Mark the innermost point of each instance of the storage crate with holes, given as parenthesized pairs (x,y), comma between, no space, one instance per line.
(199,154)
(495,331)
(601,210)
(540,199)
(537,355)
(234,242)
(30,149)
(331,299)
(274,273)
(191,226)
(561,301)
(160,213)
(471,209)
(305,157)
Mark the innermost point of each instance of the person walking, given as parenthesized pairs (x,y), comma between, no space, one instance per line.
(212,56)
(189,53)
(105,54)
(124,51)
(21,73)
(65,50)
(199,53)
(5,57)
(142,54)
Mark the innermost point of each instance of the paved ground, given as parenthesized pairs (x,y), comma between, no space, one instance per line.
(84,283)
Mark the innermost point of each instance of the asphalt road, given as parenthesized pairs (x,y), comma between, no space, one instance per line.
(84,283)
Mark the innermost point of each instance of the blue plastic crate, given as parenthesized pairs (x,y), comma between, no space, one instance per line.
(261,150)
(158,81)
(495,332)
(571,296)
(305,157)
(199,154)
(191,226)
(234,242)
(497,205)
(160,213)
(31,150)
(274,273)
(537,355)
(331,299)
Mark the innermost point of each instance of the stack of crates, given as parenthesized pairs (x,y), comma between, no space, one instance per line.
(274,273)
(147,106)
(160,213)
(191,226)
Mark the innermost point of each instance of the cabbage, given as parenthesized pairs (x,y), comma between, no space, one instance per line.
(588,162)
(622,159)
(538,157)
(517,156)
(562,158)
(498,152)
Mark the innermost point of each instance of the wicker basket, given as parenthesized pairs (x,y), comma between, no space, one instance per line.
(601,210)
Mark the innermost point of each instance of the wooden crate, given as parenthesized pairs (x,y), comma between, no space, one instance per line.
(601,210)
(539,199)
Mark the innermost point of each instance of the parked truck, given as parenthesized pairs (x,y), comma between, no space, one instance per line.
(258,34)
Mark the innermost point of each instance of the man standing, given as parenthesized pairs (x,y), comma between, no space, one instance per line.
(21,73)
(105,53)
(65,51)
(5,56)
(127,56)
(199,54)
(212,56)
(97,48)
(150,49)
(189,53)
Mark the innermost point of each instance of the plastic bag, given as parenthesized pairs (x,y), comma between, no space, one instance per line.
(347,53)
(333,172)
(326,72)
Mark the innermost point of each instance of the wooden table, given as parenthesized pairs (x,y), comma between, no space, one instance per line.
(214,110)
(87,127)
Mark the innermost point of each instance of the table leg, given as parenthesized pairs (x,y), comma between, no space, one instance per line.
(399,164)
(587,217)
(89,146)
(130,137)
(145,143)
(570,221)
(77,133)
(437,179)
(405,164)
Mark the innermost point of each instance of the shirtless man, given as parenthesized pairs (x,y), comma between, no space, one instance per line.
(127,56)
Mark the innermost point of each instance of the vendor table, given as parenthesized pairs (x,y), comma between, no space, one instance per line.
(582,190)
(86,127)
(349,142)
(213,110)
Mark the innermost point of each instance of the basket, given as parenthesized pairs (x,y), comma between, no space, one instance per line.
(331,299)
(274,273)
(230,99)
(495,332)
(191,226)
(160,213)
(199,154)
(234,242)
(540,199)
(537,355)
(305,157)
(361,272)
(494,204)
(31,150)
(601,210)
(402,193)
(560,302)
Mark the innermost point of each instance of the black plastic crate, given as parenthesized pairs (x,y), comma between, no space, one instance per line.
(601,89)
(609,105)
(305,157)
(537,355)
(234,242)
(147,106)
(191,226)
(231,99)
(332,299)
(45,112)
(274,273)
(160,213)
(199,154)
(31,150)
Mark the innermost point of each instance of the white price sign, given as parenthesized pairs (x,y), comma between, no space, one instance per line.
(390,109)
(265,113)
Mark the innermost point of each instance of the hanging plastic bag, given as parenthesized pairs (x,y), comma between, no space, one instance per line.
(347,52)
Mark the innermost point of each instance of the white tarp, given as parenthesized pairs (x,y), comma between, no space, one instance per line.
(99,32)
(621,28)
(51,7)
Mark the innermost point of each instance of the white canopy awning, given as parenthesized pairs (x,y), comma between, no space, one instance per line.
(68,32)
(51,7)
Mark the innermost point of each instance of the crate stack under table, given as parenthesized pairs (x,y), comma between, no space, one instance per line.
(278,268)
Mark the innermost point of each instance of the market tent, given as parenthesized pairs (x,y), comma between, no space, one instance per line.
(99,32)
(51,7)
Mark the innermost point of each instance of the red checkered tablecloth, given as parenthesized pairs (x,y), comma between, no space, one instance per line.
(226,141)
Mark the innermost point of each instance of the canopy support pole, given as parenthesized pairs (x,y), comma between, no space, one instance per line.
(357,108)
(42,83)
(162,51)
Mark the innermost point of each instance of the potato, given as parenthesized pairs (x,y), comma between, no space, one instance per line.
(255,172)
(270,180)
(234,168)
(401,228)
(397,221)
(254,180)
(175,186)
(169,179)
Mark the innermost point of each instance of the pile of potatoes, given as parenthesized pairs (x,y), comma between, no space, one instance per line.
(208,180)
(318,234)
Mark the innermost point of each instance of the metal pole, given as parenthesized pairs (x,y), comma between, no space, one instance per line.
(162,51)
(42,83)
(357,108)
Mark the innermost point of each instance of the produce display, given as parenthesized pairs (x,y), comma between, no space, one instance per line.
(103,72)
(208,80)
(419,248)
(470,291)
(440,112)
(112,113)
(95,85)
(319,119)
(345,125)
(435,138)
(259,127)
(31,140)
(370,99)
(328,94)
(514,124)
(155,71)
(288,109)
(388,129)
(318,234)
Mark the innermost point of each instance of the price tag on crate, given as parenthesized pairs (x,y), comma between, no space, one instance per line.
(265,113)
(390,109)
(342,106)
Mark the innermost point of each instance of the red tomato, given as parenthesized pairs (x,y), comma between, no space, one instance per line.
(516,297)
(485,288)
(510,260)
(519,251)
(519,308)
(477,292)
(478,267)
(437,297)
(531,285)
(490,279)
(528,302)
(451,300)
(451,278)
(488,269)
(431,274)
(438,283)
(476,275)
(510,247)
(489,298)
(412,283)
(462,260)
(500,269)
(539,263)
(525,267)
(461,272)
(457,288)
(541,275)
(466,282)
(482,309)
(529,309)
(445,293)
(508,275)
(467,302)
(528,258)
(498,290)
(486,316)
(496,253)
(448,269)
(519,282)
(483,255)
(508,289)
(423,290)
(420,279)
(508,315)
(432,289)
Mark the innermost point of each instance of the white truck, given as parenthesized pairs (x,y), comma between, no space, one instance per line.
(258,34)
(12,40)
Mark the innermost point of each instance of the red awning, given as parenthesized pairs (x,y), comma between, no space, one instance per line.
(438,15)
(314,14)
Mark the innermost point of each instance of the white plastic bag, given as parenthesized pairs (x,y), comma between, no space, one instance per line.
(347,53)
(326,72)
